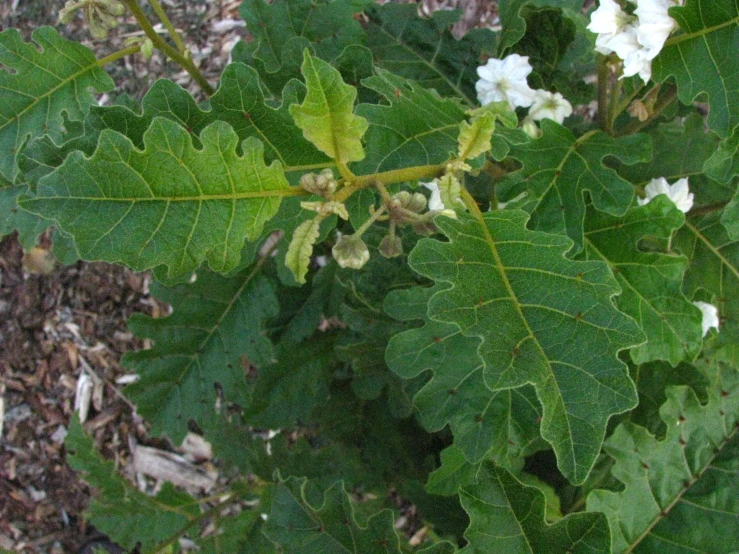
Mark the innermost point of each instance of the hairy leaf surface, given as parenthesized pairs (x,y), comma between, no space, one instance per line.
(417,128)
(122,511)
(713,267)
(651,282)
(680,492)
(169,204)
(326,115)
(540,319)
(44,84)
(558,169)
(215,321)
(502,423)
(507,517)
(702,59)
(425,49)
(298,527)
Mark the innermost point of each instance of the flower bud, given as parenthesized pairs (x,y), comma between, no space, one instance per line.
(531,128)
(324,184)
(350,251)
(391,246)
(417,203)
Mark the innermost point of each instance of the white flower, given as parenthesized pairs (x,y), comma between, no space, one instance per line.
(623,44)
(655,25)
(435,203)
(609,18)
(505,80)
(678,192)
(548,105)
(637,63)
(636,39)
(710,316)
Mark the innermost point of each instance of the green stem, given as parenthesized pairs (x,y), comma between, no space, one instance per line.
(165,48)
(636,125)
(389,177)
(367,224)
(162,15)
(162,547)
(707,209)
(115,56)
(604,78)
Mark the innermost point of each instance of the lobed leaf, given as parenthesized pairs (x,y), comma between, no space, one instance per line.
(215,321)
(559,169)
(507,517)
(501,424)
(296,526)
(424,49)
(651,282)
(121,511)
(679,493)
(702,59)
(326,115)
(169,204)
(299,252)
(59,79)
(418,127)
(540,319)
(283,29)
(713,267)
(474,137)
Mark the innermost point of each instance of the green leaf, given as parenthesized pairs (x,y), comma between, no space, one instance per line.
(559,169)
(215,321)
(424,49)
(700,59)
(121,511)
(723,165)
(326,115)
(417,128)
(713,267)
(474,137)
(502,424)
(730,217)
(61,77)
(12,217)
(296,526)
(650,281)
(507,516)
(286,391)
(540,319)
(670,141)
(239,102)
(680,492)
(282,29)
(169,204)
(299,252)
(515,24)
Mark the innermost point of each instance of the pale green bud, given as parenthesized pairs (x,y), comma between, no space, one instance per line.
(391,247)
(531,128)
(323,184)
(350,251)
(417,202)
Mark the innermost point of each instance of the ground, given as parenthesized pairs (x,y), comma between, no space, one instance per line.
(55,326)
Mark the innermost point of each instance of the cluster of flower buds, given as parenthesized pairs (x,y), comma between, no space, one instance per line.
(323,184)
(100,15)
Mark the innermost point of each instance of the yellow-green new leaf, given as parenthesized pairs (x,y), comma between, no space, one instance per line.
(168,204)
(474,137)
(298,254)
(326,116)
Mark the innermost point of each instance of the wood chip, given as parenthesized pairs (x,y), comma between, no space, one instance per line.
(166,466)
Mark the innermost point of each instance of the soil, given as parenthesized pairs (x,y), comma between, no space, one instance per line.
(72,320)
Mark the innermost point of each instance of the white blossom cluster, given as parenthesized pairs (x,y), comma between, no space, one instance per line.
(505,81)
(637,38)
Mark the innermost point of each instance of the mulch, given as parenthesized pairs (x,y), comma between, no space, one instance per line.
(56,325)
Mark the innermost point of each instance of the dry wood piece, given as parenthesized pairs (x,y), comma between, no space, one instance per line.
(166,466)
